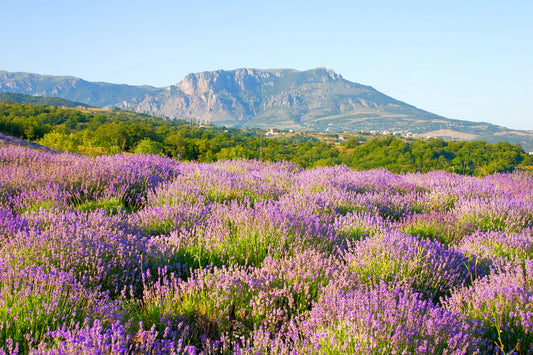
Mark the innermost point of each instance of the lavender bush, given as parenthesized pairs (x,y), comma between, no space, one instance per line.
(505,214)
(438,225)
(503,304)
(234,300)
(378,320)
(96,338)
(34,301)
(498,250)
(424,266)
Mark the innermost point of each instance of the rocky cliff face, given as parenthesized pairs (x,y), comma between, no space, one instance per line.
(247,97)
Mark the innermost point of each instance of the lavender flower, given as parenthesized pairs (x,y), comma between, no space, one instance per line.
(101,251)
(144,254)
(503,304)
(426,266)
(499,249)
(96,338)
(235,299)
(34,301)
(385,319)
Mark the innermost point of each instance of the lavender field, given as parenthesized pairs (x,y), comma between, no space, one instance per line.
(141,254)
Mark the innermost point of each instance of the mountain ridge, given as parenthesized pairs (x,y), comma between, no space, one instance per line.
(69,87)
(39,100)
(315,100)
(251,94)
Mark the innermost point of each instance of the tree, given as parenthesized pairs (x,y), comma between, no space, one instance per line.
(351,143)
(148,146)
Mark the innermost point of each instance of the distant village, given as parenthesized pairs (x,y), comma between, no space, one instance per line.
(272,132)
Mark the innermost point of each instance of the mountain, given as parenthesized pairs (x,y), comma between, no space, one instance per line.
(71,88)
(37,100)
(314,100)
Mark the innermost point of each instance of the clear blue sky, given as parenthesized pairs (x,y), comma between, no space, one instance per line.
(462,59)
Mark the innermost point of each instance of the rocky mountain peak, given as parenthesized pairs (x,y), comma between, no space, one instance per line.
(249,79)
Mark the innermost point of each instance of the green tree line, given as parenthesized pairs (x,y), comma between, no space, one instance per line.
(96,132)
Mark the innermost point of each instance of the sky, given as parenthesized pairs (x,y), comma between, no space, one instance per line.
(462,59)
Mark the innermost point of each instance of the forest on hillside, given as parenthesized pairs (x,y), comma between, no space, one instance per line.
(97,132)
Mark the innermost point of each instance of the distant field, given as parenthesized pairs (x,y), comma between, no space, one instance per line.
(518,133)
(451,134)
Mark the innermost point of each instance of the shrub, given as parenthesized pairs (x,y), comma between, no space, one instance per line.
(34,300)
(503,304)
(369,320)
(426,266)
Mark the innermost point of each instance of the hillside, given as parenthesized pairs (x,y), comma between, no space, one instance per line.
(96,131)
(71,88)
(10,140)
(38,100)
(313,100)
